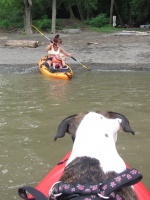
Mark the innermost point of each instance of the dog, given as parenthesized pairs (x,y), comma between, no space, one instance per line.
(94,159)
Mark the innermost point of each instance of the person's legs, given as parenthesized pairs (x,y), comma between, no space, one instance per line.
(49,61)
(63,59)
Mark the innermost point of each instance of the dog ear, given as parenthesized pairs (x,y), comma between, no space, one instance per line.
(64,127)
(125,122)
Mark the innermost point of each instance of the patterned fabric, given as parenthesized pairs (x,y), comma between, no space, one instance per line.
(127,178)
(105,190)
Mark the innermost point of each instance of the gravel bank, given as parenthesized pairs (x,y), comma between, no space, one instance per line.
(109,51)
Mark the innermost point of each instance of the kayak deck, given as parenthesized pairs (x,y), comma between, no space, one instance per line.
(54,175)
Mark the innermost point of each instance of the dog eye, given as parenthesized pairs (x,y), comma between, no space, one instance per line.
(106,135)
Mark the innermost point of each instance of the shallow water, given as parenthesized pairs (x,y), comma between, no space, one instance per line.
(32,106)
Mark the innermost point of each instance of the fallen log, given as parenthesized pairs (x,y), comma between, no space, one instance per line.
(22,43)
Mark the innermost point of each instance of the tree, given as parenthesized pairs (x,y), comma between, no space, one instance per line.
(127,11)
(141,11)
(111,11)
(119,16)
(27,16)
(53,27)
(70,9)
(79,5)
(66,5)
(86,8)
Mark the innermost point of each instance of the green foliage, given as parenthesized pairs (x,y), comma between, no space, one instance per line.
(88,4)
(105,29)
(127,11)
(11,24)
(11,13)
(45,24)
(4,24)
(141,10)
(41,9)
(99,21)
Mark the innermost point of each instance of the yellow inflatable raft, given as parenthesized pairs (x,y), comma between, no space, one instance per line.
(54,71)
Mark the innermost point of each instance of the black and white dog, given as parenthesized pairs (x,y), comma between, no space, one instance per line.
(94,160)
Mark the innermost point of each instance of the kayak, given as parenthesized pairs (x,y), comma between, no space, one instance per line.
(54,175)
(56,71)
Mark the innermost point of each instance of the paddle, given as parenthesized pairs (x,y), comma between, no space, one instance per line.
(81,64)
(41,32)
(71,57)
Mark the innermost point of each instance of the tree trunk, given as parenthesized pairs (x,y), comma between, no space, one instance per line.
(27,16)
(119,16)
(129,11)
(70,10)
(111,12)
(88,14)
(53,27)
(80,11)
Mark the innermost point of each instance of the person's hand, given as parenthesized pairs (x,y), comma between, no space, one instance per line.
(70,55)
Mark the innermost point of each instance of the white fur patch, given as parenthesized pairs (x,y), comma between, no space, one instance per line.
(95,138)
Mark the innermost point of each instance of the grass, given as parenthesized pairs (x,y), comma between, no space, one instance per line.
(110,29)
(105,29)
(44,25)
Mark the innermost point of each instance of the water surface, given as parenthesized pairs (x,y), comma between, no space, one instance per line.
(32,106)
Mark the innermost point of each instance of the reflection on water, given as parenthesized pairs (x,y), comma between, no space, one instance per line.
(32,106)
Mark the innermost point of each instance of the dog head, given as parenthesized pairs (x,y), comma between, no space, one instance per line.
(95,138)
(71,123)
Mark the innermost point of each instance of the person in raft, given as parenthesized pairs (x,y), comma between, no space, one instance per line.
(55,52)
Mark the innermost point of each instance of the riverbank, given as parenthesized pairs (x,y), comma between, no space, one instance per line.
(117,51)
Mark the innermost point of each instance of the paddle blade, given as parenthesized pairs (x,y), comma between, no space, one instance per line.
(37,30)
(86,67)
(81,64)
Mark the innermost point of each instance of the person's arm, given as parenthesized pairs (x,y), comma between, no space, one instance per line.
(65,52)
(49,46)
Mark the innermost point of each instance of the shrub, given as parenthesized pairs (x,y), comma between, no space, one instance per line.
(45,24)
(4,24)
(99,21)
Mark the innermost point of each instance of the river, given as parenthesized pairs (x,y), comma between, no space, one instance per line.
(32,106)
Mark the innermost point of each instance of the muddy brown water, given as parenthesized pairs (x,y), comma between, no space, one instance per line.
(32,106)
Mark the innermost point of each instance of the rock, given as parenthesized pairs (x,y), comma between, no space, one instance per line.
(3,38)
(71,31)
(133,33)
